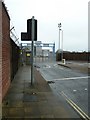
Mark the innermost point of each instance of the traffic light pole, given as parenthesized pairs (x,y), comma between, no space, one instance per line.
(32,57)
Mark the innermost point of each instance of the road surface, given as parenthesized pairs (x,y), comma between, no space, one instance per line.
(71,84)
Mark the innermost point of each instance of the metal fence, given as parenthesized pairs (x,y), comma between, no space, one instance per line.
(15,58)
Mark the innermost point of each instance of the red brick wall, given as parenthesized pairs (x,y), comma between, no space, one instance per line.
(76,56)
(5,51)
(0,54)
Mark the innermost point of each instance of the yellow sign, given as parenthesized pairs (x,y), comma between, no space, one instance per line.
(28,54)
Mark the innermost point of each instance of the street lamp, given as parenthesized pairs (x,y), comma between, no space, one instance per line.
(62,47)
(59,25)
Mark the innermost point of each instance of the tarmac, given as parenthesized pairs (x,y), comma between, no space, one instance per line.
(80,66)
(25,101)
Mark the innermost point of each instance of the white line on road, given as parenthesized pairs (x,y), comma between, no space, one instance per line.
(74,90)
(86,89)
(72,78)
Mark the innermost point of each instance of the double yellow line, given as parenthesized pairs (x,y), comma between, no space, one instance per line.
(80,112)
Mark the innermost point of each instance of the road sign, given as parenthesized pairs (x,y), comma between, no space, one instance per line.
(24,36)
(27,36)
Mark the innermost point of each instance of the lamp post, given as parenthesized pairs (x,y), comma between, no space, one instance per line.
(62,47)
(59,25)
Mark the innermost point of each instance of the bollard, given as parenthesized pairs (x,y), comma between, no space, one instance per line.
(63,61)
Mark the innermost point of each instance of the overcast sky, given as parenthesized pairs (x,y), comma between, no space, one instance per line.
(72,14)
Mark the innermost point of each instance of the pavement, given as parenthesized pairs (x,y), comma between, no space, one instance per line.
(80,66)
(25,101)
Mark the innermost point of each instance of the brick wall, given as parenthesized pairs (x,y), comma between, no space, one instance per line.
(80,56)
(0,59)
(5,51)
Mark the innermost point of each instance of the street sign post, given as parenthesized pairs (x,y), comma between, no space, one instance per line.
(31,35)
(32,73)
(27,36)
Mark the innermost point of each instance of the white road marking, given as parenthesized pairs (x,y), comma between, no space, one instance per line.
(74,90)
(77,108)
(73,78)
(86,89)
(47,66)
(55,65)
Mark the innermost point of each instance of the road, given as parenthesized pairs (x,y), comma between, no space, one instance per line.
(71,84)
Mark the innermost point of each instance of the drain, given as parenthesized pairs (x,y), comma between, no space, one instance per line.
(50,82)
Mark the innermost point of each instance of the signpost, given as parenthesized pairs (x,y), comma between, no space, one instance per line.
(31,35)
(32,75)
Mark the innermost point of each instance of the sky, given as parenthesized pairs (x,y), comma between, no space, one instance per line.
(72,14)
